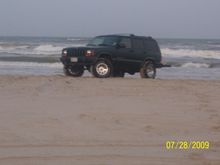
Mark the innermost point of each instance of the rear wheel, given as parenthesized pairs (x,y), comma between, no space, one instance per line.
(74,71)
(102,68)
(148,70)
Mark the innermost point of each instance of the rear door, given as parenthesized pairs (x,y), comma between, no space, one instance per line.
(138,50)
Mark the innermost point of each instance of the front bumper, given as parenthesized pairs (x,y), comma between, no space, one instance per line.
(80,61)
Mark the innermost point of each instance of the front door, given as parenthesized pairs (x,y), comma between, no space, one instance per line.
(125,53)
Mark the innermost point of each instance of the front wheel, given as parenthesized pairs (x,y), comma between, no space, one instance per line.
(148,70)
(102,68)
(74,71)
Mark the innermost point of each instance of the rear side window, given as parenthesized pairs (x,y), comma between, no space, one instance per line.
(138,44)
(151,46)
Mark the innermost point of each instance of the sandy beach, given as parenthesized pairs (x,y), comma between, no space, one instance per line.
(54,120)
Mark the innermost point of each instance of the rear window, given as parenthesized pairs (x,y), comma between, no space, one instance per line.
(151,45)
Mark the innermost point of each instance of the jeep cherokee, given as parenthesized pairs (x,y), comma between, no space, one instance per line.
(113,55)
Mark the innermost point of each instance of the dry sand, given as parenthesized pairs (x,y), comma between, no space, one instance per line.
(56,120)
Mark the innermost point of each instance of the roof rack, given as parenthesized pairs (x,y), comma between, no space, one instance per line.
(125,34)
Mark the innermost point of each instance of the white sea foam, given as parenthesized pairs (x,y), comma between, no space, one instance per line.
(195,65)
(47,49)
(217,46)
(31,50)
(190,53)
(43,49)
(50,49)
(76,39)
(10,48)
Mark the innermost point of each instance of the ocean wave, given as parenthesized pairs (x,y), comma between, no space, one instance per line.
(195,65)
(47,49)
(12,47)
(78,39)
(43,49)
(190,53)
(217,46)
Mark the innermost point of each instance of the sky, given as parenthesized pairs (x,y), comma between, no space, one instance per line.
(87,18)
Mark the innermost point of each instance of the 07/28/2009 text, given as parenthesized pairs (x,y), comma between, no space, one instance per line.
(187,145)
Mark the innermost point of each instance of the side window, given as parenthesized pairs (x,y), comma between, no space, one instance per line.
(138,44)
(151,45)
(126,42)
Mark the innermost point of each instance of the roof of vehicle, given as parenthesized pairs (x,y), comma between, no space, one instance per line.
(126,35)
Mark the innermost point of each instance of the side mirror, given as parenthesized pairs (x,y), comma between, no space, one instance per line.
(121,45)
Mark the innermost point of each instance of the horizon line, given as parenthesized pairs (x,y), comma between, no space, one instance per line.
(34,36)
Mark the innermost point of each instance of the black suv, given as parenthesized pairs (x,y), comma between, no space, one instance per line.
(113,56)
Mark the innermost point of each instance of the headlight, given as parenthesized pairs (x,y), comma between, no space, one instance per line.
(90,53)
(64,52)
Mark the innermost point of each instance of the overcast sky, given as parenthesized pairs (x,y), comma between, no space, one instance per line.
(158,18)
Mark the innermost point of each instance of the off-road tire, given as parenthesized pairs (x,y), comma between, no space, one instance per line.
(102,68)
(148,70)
(74,71)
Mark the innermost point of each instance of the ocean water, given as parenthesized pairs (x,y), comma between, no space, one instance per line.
(190,58)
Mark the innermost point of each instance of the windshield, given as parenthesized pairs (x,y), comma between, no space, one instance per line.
(104,41)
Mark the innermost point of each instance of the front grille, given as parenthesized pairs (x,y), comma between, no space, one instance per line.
(77,53)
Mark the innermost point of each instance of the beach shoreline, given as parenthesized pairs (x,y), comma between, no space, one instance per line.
(64,120)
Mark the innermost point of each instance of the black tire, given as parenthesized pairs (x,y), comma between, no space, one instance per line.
(74,71)
(118,74)
(148,70)
(102,68)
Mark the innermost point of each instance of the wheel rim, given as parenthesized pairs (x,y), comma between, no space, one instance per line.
(102,69)
(150,70)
